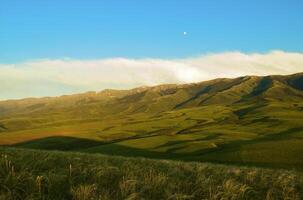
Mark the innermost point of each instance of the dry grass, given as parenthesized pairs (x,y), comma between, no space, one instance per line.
(28,174)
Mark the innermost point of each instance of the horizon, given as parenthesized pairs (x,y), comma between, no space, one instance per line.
(47,77)
(144,86)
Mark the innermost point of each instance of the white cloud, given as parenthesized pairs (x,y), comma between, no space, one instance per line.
(56,77)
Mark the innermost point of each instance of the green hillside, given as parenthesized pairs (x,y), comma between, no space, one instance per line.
(37,175)
(246,120)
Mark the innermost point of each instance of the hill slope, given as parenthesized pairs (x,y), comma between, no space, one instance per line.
(250,119)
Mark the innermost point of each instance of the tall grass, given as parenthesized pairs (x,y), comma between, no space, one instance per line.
(29,174)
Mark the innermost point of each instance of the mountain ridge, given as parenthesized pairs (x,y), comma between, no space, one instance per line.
(142,88)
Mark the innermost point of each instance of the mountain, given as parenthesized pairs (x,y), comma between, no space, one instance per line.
(249,119)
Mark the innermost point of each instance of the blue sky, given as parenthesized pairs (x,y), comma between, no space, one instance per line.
(91,29)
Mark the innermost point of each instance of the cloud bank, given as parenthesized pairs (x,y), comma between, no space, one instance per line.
(48,77)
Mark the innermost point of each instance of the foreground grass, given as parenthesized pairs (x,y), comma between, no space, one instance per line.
(34,174)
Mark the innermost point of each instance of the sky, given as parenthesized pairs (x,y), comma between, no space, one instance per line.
(50,48)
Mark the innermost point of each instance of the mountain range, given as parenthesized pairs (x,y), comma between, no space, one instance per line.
(251,120)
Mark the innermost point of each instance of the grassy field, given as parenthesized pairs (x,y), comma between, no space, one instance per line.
(36,174)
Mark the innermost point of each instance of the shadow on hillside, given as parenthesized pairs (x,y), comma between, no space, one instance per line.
(230,153)
(59,143)
(251,152)
(63,143)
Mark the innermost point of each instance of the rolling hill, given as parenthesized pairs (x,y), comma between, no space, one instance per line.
(246,120)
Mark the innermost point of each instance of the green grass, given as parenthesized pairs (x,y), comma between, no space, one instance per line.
(36,174)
